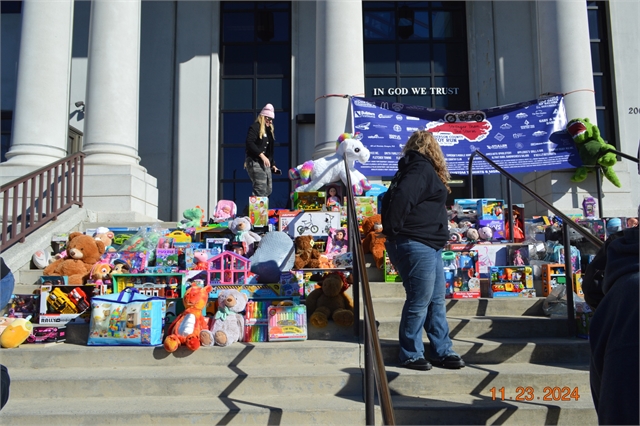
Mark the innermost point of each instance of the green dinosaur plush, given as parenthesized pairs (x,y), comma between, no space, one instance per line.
(593,150)
(192,218)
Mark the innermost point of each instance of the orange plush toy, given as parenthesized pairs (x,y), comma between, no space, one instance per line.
(185,329)
(373,241)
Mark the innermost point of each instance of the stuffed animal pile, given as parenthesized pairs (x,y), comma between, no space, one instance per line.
(593,150)
(83,251)
(330,301)
(314,174)
(374,240)
(185,329)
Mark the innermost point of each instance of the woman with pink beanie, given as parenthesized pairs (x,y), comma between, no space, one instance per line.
(259,150)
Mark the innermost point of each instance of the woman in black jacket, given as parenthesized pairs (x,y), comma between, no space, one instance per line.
(259,162)
(414,220)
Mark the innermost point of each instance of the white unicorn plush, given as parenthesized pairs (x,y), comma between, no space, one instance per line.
(313,175)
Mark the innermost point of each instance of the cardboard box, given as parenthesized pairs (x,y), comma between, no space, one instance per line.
(314,223)
(488,209)
(259,211)
(47,334)
(497,225)
(365,207)
(284,219)
(68,311)
(461,274)
(309,201)
(511,281)
(287,322)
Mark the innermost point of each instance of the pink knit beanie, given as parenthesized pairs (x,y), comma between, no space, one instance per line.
(267,111)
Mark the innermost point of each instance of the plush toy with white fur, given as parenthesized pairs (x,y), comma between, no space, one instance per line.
(241,228)
(313,175)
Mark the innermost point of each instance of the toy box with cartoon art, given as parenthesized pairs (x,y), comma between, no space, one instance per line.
(61,304)
(390,273)
(259,211)
(511,281)
(365,207)
(287,322)
(317,224)
(461,274)
(596,226)
(290,285)
(216,245)
(24,305)
(166,257)
(309,201)
(136,261)
(488,209)
(334,197)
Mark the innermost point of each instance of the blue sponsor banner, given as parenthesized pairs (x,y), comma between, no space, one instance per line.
(521,138)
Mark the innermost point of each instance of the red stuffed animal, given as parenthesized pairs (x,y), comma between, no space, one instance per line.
(185,329)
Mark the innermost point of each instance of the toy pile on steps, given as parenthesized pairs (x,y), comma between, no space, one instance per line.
(254,278)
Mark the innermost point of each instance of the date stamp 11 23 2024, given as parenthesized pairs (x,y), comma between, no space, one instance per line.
(527,393)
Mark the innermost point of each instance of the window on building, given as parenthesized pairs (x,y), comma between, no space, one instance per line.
(602,75)
(7,117)
(255,70)
(418,44)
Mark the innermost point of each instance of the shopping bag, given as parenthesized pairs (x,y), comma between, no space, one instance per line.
(127,318)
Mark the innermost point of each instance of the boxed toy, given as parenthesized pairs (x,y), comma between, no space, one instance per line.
(216,245)
(461,274)
(135,261)
(511,281)
(24,305)
(314,223)
(390,273)
(365,206)
(496,225)
(334,197)
(488,209)
(65,303)
(287,322)
(584,314)
(518,255)
(284,219)
(259,211)
(166,285)
(166,257)
(309,201)
(47,334)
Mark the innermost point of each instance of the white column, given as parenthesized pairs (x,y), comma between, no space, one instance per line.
(41,116)
(565,55)
(339,68)
(115,184)
(111,135)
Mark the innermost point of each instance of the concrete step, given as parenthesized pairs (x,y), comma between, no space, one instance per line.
(27,278)
(387,306)
(119,379)
(482,410)
(488,327)
(295,409)
(63,355)
(479,379)
(540,351)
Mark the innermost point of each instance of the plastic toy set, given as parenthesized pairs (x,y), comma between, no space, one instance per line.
(461,274)
(511,281)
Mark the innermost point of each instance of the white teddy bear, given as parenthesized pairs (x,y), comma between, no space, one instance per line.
(241,228)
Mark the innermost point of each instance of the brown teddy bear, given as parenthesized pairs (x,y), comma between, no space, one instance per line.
(83,251)
(374,240)
(330,302)
(306,255)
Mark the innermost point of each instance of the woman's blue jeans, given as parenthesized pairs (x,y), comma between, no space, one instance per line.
(422,272)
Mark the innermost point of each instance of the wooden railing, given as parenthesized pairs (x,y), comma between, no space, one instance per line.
(33,200)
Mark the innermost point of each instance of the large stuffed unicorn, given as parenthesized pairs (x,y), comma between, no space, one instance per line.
(313,175)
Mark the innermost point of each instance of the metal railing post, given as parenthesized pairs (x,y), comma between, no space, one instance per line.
(568,268)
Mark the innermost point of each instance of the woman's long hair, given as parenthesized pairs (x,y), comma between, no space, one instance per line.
(424,142)
(260,119)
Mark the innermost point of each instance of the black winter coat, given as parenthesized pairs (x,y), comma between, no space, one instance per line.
(256,145)
(414,205)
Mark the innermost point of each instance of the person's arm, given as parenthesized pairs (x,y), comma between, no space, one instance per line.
(253,141)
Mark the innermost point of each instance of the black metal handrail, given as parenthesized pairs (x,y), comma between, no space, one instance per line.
(566,223)
(373,360)
(40,197)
